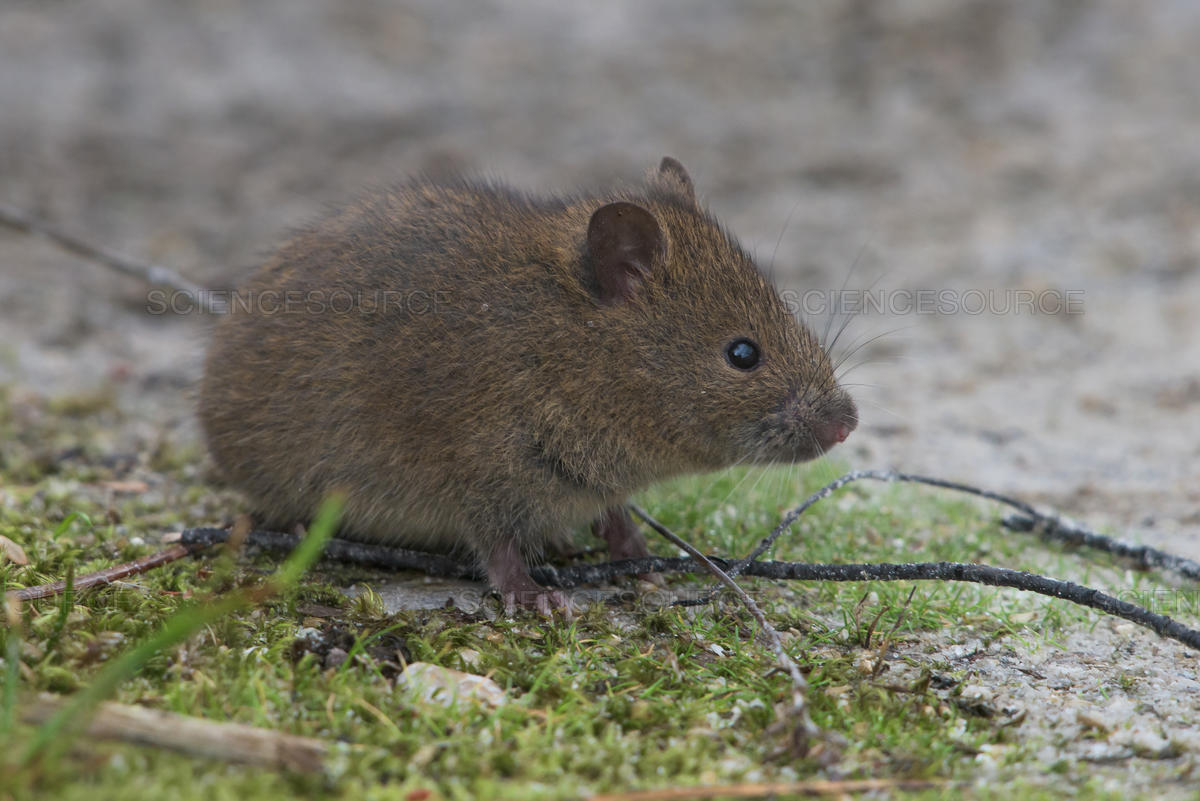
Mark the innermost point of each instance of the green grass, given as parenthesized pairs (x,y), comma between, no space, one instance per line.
(634,697)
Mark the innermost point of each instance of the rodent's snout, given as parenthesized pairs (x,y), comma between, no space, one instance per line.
(837,420)
(835,431)
(806,426)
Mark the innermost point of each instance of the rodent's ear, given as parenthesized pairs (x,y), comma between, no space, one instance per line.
(623,240)
(673,176)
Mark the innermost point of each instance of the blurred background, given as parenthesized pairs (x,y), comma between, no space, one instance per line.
(891,146)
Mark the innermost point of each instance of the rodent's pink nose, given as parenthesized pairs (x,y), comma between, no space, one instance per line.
(832,433)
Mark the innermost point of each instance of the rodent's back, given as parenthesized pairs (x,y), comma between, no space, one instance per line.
(408,348)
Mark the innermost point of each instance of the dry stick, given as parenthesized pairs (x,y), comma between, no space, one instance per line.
(805,729)
(228,742)
(195,539)
(106,576)
(153,274)
(771,790)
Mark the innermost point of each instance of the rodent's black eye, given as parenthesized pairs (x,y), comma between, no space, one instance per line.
(742,354)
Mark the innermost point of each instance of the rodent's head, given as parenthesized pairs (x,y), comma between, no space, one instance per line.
(711,341)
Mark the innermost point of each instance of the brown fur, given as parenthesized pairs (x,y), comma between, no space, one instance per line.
(499,399)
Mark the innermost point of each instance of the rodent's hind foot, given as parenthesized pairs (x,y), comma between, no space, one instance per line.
(625,539)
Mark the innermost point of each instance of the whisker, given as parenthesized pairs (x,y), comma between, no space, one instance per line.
(787,222)
(845,283)
(845,324)
(735,488)
(856,365)
(859,346)
(886,410)
(722,474)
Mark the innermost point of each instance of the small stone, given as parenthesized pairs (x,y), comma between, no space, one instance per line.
(470,657)
(441,685)
(975,692)
(335,658)
(866,665)
(1093,720)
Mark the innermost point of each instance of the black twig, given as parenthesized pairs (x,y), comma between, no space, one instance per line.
(1048,523)
(575,575)
(381,556)
(1070,532)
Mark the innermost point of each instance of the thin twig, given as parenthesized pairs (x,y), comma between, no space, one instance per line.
(106,576)
(805,731)
(1049,524)
(382,556)
(153,274)
(1071,532)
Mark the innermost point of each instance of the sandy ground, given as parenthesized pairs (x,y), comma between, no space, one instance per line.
(992,151)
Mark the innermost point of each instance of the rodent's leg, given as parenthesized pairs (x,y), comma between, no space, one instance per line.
(625,540)
(507,572)
(616,527)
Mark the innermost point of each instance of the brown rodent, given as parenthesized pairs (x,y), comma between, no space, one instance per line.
(481,369)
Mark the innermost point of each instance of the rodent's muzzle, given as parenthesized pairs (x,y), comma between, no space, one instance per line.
(805,427)
(834,421)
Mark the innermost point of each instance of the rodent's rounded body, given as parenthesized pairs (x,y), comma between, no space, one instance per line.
(480,369)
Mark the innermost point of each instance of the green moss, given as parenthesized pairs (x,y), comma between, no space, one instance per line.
(618,698)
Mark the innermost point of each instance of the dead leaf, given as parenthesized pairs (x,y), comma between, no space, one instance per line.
(12,551)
